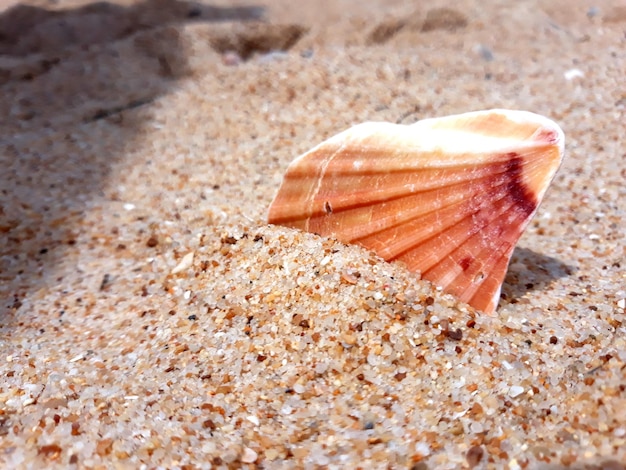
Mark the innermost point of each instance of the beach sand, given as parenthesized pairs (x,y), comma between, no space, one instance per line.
(151,318)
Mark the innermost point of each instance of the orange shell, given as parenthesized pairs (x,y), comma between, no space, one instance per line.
(449,197)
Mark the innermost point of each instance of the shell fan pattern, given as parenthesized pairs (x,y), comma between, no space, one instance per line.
(449,197)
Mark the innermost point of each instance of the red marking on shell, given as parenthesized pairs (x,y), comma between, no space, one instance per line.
(465,263)
(524,199)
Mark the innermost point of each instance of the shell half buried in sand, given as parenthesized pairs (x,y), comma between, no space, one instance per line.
(449,197)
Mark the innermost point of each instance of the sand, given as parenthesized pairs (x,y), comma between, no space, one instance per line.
(149,316)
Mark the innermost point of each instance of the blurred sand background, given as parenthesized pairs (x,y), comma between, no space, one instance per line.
(150,316)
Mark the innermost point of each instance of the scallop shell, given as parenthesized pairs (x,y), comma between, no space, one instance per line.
(449,197)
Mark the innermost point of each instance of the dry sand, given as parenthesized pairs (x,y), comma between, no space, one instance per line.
(150,318)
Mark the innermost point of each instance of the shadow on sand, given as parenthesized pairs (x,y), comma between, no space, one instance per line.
(529,271)
(62,76)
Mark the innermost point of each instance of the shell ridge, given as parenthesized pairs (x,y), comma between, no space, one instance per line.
(474,228)
(476,207)
(501,253)
(491,255)
(315,191)
(360,199)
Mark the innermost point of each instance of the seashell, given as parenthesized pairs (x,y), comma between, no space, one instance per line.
(449,197)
